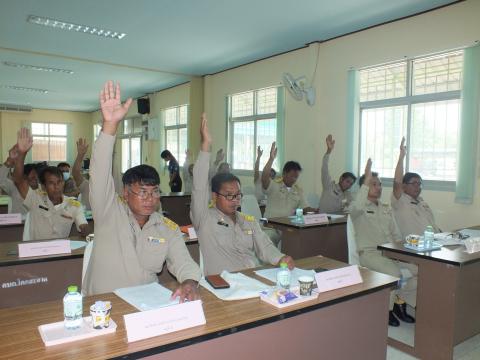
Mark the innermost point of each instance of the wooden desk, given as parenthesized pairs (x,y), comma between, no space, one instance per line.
(177,207)
(448,294)
(349,323)
(9,233)
(300,240)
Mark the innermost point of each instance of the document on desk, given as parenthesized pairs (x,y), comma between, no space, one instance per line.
(77,244)
(271,274)
(241,287)
(447,239)
(146,297)
(335,216)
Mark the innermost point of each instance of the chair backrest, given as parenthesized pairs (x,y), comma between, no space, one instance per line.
(26,228)
(86,259)
(250,206)
(353,257)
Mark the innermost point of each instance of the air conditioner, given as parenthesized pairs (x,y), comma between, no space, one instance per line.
(15,108)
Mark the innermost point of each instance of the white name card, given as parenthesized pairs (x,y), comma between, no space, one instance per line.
(10,219)
(315,219)
(192,234)
(44,248)
(146,324)
(338,278)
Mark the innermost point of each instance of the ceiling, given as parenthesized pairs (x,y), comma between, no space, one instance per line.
(166,43)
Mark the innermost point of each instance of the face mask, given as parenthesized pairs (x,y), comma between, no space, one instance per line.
(66,176)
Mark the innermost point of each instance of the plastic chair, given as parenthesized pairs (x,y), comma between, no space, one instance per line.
(353,257)
(250,206)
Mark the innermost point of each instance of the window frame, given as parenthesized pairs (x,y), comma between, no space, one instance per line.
(67,143)
(409,100)
(177,127)
(130,136)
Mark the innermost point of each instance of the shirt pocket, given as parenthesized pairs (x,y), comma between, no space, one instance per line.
(153,254)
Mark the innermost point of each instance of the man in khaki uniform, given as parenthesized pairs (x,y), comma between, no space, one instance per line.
(132,241)
(284,196)
(229,240)
(51,213)
(335,197)
(374,225)
(411,212)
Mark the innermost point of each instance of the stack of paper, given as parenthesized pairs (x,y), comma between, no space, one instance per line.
(241,287)
(146,297)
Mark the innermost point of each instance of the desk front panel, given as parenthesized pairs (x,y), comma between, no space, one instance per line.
(177,208)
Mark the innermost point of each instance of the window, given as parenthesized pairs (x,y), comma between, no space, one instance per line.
(131,143)
(49,142)
(252,122)
(96,131)
(418,99)
(175,126)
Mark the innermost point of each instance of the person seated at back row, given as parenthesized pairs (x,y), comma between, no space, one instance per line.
(229,240)
(284,196)
(335,197)
(70,188)
(374,225)
(132,240)
(51,213)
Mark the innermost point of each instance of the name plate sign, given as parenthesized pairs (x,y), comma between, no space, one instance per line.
(192,235)
(338,278)
(10,219)
(315,219)
(44,248)
(146,324)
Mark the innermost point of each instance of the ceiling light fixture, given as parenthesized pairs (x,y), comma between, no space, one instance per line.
(59,24)
(22,88)
(37,67)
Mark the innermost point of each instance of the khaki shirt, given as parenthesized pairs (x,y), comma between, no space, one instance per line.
(9,187)
(70,188)
(124,254)
(412,216)
(333,198)
(187,178)
(225,244)
(282,201)
(374,224)
(85,192)
(48,221)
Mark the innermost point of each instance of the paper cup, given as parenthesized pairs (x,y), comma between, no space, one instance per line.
(306,284)
(100,312)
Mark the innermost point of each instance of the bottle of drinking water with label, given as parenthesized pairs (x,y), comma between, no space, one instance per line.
(72,308)
(428,236)
(299,215)
(283,276)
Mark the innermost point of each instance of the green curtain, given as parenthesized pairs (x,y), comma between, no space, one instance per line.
(353,113)
(467,159)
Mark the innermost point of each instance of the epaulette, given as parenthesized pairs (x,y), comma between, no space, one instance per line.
(41,192)
(121,198)
(278,180)
(247,217)
(74,202)
(211,204)
(170,224)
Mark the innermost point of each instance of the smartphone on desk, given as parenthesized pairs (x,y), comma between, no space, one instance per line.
(217,282)
(320,269)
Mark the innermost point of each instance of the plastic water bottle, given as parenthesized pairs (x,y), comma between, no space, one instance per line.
(72,308)
(428,236)
(299,215)
(283,276)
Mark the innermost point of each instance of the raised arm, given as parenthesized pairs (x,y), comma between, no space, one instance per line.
(397,180)
(256,170)
(358,205)
(82,148)
(200,188)
(326,178)
(24,144)
(268,166)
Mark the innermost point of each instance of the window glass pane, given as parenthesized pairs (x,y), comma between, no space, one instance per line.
(136,151)
(242,104)
(171,141)
(125,155)
(437,73)
(170,116)
(267,101)
(39,129)
(183,114)
(58,149)
(58,129)
(96,131)
(243,145)
(40,148)
(266,135)
(137,126)
(127,126)
(434,134)
(381,132)
(383,82)
(182,145)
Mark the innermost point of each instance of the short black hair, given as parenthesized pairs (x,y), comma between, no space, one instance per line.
(219,179)
(362,178)
(28,168)
(62,164)
(348,174)
(165,153)
(409,176)
(40,166)
(142,174)
(52,170)
(291,165)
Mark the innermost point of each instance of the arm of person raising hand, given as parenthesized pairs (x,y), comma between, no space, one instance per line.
(268,166)
(24,144)
(256,170)
(398,179)
(82,148)
(113,111)
(206,138)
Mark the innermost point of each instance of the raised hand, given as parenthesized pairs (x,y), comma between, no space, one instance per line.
(12,156)
(220,156)
(368,172)
(24,141)
(403,148)
(259,152)
(82,146)
(330,143)
(205,134)
(111,105)
(273,150)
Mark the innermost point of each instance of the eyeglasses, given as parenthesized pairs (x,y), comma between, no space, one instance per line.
(415,183)
(144,194)
(231,197)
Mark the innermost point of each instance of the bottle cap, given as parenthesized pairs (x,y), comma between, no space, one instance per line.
(72,288)
(283,265)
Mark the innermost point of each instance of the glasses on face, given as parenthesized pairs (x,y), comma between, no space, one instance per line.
(415,183)
(231,197)
(144,194)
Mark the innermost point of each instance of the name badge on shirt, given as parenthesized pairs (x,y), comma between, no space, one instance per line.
(248,231)
(154,240)
(66,216)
